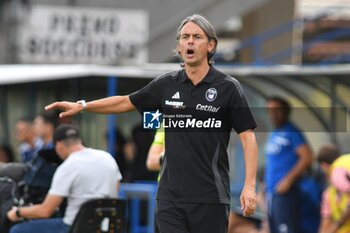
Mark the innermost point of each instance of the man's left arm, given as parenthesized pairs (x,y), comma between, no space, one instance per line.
(304,162)
(43,210)
(250,150)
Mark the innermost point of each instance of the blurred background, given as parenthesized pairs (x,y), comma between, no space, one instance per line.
(82,49)
(255,39)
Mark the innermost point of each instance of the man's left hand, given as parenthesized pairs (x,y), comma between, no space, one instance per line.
(11,214)
(283,186)
(248,200)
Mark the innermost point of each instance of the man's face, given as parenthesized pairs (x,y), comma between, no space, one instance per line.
(325,167)
(194,45)
(61,150)
(39,126)
(278,115)
(23,131)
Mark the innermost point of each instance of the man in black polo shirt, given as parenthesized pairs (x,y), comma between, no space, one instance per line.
(200,105)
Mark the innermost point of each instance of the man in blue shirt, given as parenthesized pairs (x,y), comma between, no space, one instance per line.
(288,156)
(30,144)
(42,166)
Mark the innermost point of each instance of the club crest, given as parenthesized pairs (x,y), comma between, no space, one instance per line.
(211,94)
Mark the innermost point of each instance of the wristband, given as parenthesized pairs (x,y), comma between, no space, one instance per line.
(83,103)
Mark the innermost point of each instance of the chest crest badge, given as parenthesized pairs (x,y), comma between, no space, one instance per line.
(211,94)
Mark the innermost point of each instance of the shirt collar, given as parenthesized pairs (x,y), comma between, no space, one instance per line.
(209,78)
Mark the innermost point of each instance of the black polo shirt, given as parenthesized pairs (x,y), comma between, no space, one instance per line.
(196,165)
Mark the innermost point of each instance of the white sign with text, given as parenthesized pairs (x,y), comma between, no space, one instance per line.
(58,34)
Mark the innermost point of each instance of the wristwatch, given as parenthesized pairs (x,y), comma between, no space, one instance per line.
(18,214)
(83,103)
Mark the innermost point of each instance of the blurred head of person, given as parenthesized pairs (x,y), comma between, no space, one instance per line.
(6,154)
(340,173)
(278,110)
(66,139)
(327,154)
(340,178)
(24,130)
(44,126)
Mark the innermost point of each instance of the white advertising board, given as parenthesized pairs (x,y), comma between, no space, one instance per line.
(59,34)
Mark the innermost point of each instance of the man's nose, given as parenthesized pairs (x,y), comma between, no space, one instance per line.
(190,40)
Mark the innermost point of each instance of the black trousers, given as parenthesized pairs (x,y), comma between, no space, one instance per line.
(183,217)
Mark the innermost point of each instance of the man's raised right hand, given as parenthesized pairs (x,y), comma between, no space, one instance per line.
(68,108)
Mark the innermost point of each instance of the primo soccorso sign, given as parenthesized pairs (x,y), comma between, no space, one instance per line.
(57,34)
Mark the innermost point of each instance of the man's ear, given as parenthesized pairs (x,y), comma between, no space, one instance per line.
(211,46)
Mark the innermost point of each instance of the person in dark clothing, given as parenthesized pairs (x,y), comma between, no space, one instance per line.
(194,191)
(141,141)
(6,154)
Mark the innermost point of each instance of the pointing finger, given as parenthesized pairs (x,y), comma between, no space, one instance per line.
(54,105)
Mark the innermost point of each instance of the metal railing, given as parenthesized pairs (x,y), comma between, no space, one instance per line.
(256,42)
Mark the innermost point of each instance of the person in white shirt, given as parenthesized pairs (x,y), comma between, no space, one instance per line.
(85,174)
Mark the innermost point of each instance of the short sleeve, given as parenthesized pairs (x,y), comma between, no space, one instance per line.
(63,180)
(149,96)
(119,175)
(159,137)
(241,117)
(297,139)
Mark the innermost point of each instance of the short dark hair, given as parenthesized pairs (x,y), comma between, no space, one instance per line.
(49,118)
(282,101)
(26,119)
(8,151)
(328,153)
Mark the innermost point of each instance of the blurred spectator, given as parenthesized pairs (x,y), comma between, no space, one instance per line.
(6,154)
(44,162)
(8,168)
(335,210)
(156,151)
(138,149)
(29,143)
(85,174)
(119,150)
(326,156)
(311,186)
(44,126)
(288,157)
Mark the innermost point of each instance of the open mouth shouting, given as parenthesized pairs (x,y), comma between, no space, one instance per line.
(189,53)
